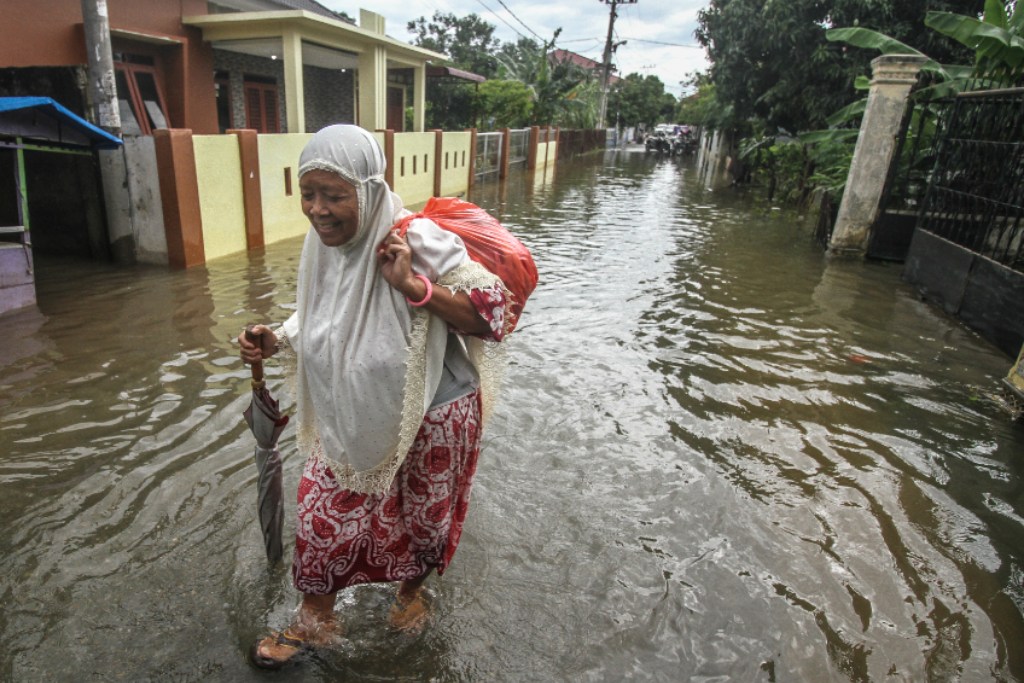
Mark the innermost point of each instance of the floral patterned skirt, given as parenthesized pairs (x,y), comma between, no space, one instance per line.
(344,537)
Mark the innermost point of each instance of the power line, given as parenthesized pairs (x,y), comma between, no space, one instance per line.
(502,3)
(662,42)
(502,19)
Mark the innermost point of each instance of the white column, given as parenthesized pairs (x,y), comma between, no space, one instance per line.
(893,77)
(373,76)
(419,102)
(373,81)
(294,91)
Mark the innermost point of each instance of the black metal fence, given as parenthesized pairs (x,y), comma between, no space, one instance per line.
(975,193)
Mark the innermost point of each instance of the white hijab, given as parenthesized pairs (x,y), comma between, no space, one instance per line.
(368,363)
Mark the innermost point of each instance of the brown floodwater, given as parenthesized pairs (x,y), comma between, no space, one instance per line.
(718,457)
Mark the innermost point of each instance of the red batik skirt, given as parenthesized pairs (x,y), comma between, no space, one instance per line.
(344,537)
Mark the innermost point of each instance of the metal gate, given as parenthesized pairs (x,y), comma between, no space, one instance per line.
(975,196)
(958,176)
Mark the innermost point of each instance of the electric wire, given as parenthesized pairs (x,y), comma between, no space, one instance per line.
(509,10)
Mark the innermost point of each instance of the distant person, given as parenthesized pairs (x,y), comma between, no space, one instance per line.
(388,400)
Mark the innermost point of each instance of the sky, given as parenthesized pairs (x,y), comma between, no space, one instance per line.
(658,33)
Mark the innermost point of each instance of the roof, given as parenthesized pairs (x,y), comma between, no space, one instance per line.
(452,72)
(561,56)
(314,28)
(44,119)
(315,7)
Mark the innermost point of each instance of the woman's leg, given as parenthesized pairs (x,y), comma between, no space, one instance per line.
(410,609)
(313,625)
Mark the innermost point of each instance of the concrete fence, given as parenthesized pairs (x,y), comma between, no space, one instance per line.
(182,199)
(222,194)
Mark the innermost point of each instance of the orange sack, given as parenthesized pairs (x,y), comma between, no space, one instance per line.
(489,243)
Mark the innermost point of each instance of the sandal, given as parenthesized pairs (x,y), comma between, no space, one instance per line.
(284,638)
(409,616)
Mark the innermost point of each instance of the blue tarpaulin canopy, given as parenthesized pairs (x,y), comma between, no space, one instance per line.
(44,119)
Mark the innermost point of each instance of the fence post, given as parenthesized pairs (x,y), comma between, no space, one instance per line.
(506,149)
(472,157)
(179,195)
(438,165)
(252,191)
(531,151)
(892,78)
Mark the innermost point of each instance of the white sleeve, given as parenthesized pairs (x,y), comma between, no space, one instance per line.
(435,251)
(290,327)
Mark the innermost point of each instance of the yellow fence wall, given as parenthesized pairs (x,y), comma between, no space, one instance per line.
(456,155)
(552,152)
(218,174)
(221,199)
(279,186)
(414,167)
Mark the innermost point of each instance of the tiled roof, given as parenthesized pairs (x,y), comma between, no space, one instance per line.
(560,56)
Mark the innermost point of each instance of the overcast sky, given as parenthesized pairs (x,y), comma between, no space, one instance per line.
(645,25)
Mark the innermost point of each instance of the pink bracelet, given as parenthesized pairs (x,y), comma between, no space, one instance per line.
(426,297)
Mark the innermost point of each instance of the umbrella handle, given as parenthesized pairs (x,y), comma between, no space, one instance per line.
(257,367)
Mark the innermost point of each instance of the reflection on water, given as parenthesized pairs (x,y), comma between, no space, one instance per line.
(718,457)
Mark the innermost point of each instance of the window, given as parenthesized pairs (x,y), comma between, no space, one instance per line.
(261,106)
(139,99)
(222,86)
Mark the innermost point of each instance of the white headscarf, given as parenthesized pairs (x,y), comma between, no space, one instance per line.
(368,363)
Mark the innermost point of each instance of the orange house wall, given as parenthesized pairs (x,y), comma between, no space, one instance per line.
(49,33)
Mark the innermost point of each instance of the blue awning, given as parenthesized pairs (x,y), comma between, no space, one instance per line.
(44,119)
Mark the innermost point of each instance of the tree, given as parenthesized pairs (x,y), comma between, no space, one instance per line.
(504,104)
(520,60)
(470,44)
(469,41)
(770,59)
(640,100)
(560,87)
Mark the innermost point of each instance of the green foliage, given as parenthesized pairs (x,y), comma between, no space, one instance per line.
(450,104)
(640,100)
(581,108)
(996,40)
(504,104)
(523,87)
(557,86)
(771,60)
(520,61)
(468,41)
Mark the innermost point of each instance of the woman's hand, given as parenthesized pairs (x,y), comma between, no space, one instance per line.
(262,347)
(395,258)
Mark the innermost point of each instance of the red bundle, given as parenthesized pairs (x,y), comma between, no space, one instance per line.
(489,243)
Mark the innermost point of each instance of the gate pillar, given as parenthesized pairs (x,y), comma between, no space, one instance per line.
(892,78)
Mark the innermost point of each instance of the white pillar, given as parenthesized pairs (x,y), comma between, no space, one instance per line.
(294,91)
(893,77)
(373,76)
(419,101)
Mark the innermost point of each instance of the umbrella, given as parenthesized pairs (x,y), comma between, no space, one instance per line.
(266,422)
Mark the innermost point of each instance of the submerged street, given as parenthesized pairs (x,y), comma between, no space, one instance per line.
(717,456)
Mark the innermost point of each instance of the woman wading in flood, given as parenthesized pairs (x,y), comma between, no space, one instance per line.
(389,393)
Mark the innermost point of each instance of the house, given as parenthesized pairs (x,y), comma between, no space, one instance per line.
(198,67)
(273,66)
(269,65)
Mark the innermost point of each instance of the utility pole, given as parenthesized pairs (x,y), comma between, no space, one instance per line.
(609,50)
(100,61)
(115,170)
